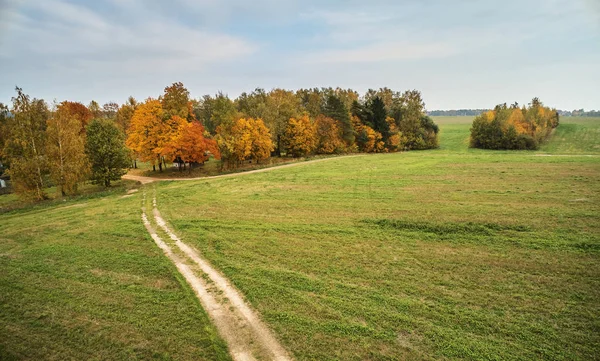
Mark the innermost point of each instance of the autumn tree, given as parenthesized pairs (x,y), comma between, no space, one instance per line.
(300,136)
(25,145)
(105,149)
(245,138)
(65,151)
(329,138)
(150,132)
(191,145)
(79,112)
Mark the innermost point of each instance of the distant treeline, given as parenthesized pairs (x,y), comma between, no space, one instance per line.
(456,112)
(476,112)
(579,113)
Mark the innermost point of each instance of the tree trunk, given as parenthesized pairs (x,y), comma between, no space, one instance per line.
(154,167)
(190,168)
(160,166)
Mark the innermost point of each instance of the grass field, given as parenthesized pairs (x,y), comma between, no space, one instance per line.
(454,253)
(82,280)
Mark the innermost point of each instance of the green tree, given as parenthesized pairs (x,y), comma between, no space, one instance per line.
(105,148)
(175,102)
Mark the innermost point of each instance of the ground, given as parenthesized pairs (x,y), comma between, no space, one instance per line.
(453,253)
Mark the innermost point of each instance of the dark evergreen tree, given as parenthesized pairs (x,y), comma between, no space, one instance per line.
(336,109)
(378,117)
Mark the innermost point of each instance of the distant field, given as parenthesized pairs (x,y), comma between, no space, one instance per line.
(453,253)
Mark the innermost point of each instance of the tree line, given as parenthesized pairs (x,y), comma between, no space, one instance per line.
(67,143)
(61,145)
(514,127)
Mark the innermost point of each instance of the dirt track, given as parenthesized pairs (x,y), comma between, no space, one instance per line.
(247,337)
(146,180)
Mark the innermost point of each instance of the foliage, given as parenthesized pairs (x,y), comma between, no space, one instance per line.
(125,113)
(175,102)
(513,127)
(281,105)
(150,131)
(95,110)
(79,112)
(191,144)
(368,140)
(335,108)
(245,138)
(300,136)
(217,111)
(106,151)
(25,145)
(65,151)
(329,139)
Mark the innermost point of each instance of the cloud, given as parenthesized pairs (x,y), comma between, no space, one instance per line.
(75,37)
(383,52)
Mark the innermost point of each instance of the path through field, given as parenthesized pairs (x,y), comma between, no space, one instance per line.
(247,336)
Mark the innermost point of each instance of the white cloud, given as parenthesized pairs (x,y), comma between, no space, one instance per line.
(380,52)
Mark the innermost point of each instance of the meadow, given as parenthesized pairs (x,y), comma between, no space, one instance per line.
(453,253)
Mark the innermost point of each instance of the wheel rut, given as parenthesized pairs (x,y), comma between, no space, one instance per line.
(247,336)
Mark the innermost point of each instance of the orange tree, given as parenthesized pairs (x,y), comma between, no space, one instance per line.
(191,145)
(329,139)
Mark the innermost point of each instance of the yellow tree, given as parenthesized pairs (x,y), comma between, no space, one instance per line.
(328,135)
(149,132)
(244,139)
(300,136)
(24,146)
(262,144)
(65,150)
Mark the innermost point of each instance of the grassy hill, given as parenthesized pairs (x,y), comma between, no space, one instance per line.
(449,253)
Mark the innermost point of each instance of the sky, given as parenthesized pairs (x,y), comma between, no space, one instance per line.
(459,53)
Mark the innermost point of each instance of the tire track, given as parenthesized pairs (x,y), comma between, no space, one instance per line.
(242,329)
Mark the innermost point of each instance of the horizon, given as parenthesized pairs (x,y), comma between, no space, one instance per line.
(465,55)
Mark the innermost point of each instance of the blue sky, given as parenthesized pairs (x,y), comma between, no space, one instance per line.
(460,53)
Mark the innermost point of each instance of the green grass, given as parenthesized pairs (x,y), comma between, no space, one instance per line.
(454,253)
(575,135)
(83,281)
